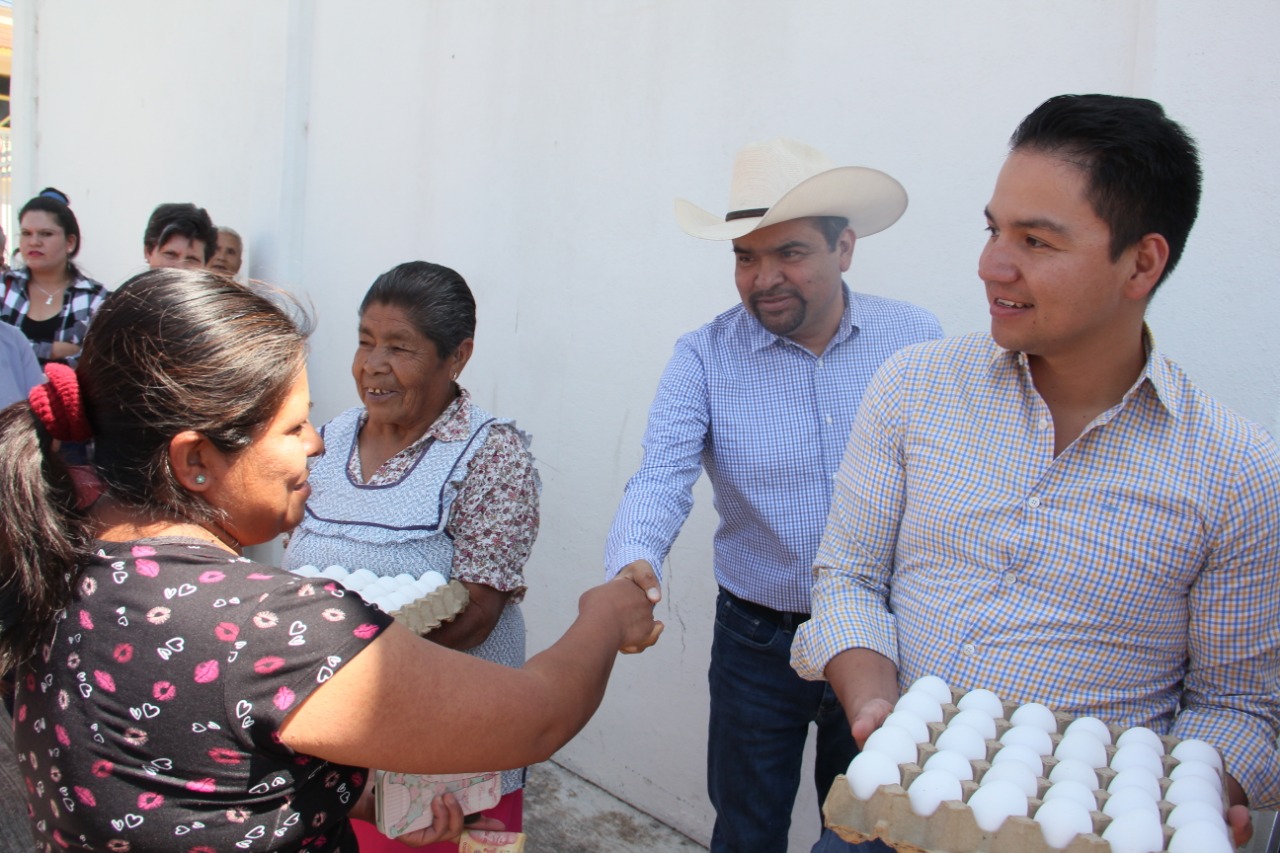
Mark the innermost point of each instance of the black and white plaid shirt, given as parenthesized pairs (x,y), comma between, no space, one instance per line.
(77,308)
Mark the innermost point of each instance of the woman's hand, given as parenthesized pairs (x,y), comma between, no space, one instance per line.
(447,824)
(632,612)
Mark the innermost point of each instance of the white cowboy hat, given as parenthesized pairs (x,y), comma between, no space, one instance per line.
(783,179)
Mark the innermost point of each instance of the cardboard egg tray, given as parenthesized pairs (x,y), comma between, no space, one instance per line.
(952,828)
(433,609)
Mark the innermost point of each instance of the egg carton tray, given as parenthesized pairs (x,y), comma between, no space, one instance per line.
(433,609)
(888,816)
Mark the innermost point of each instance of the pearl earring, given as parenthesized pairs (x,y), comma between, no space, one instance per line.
(200,479)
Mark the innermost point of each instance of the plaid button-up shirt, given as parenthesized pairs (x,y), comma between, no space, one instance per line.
(78,307)
(1135,576)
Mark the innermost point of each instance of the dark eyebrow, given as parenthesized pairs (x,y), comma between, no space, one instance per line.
(787,246)
(1038,224)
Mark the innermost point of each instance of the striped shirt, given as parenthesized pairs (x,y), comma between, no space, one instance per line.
(1135,577)
(79,305)
(768,421)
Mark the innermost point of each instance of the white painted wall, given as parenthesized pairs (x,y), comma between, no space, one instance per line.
(537,146)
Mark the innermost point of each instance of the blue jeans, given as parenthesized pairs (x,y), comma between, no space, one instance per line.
(832,843)
(760,716)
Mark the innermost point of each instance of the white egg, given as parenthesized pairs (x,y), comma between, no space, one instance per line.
(306,571)
(1069,789)
(931,788)
(1196,768)
(1137,756)
(993,804)
(1074,790)
(405,578)
(1021,754)
(1127,800)
(921,705)
(894,743)
(1062,820)
(1082,746)
(1198,750)
(1190,788)
(1194,812)
(933,686)
(1200,837)
(979,721)
(363,576)
(1134,832)
(983,700)
(335,573)
(869,770)
(1033,738)
(1143,735)
(952,762)
(435,578)
(353,582)
(1035,714)
(1093,726)
(1015,772)
(909,723)
(964,740)
(1136,777)
(1071,768)
(384,584)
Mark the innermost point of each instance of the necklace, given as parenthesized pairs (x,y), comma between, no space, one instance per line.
(48,297)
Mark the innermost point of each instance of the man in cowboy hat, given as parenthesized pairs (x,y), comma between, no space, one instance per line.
(762,397)
(1055,511)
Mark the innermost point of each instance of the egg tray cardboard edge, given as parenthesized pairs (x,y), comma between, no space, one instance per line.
(433,609)
(952,828)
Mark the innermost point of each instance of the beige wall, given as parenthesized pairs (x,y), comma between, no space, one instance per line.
(537,146)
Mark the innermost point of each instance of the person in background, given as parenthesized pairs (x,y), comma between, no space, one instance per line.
(169,688)
(179,235)
(762,397)
(19,369)
(49,298)
(419,478)
(229,253)
(1053,511)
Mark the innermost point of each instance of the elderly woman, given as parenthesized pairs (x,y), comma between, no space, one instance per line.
(419,478)
(49,299)
(173,695)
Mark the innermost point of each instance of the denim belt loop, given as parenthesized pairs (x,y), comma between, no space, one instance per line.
(778,618)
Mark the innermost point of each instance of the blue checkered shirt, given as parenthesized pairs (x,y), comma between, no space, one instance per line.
(77,308)
(1135,577)
(768,421)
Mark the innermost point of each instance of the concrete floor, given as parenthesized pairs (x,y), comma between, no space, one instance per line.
(564,813)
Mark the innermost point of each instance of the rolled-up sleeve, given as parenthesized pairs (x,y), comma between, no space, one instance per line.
(1232,687)
(854,565)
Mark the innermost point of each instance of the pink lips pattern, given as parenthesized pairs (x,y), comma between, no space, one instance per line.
(167,661)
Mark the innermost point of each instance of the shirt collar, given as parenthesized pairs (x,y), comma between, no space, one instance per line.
(452,424)
(1156,372)
(763,338)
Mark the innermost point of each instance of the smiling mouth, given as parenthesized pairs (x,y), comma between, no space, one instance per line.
(1009,303)
(378,392)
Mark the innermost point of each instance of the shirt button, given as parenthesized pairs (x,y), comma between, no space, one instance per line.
(1044,423)
(968,648)
(819,362)
(1033,503)
(1010,578)
(828,420)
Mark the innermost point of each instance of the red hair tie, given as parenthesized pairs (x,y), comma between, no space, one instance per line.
(58,405)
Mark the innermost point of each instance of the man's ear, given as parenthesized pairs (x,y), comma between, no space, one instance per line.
(844,245)
(1150,257)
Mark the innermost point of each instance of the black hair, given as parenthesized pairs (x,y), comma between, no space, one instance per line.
(434,298)
(182,219)
(1142,167)
(171,350)
(831,227)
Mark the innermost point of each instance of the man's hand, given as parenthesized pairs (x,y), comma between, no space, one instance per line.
(867,684)
(1238,818)
(643,576)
